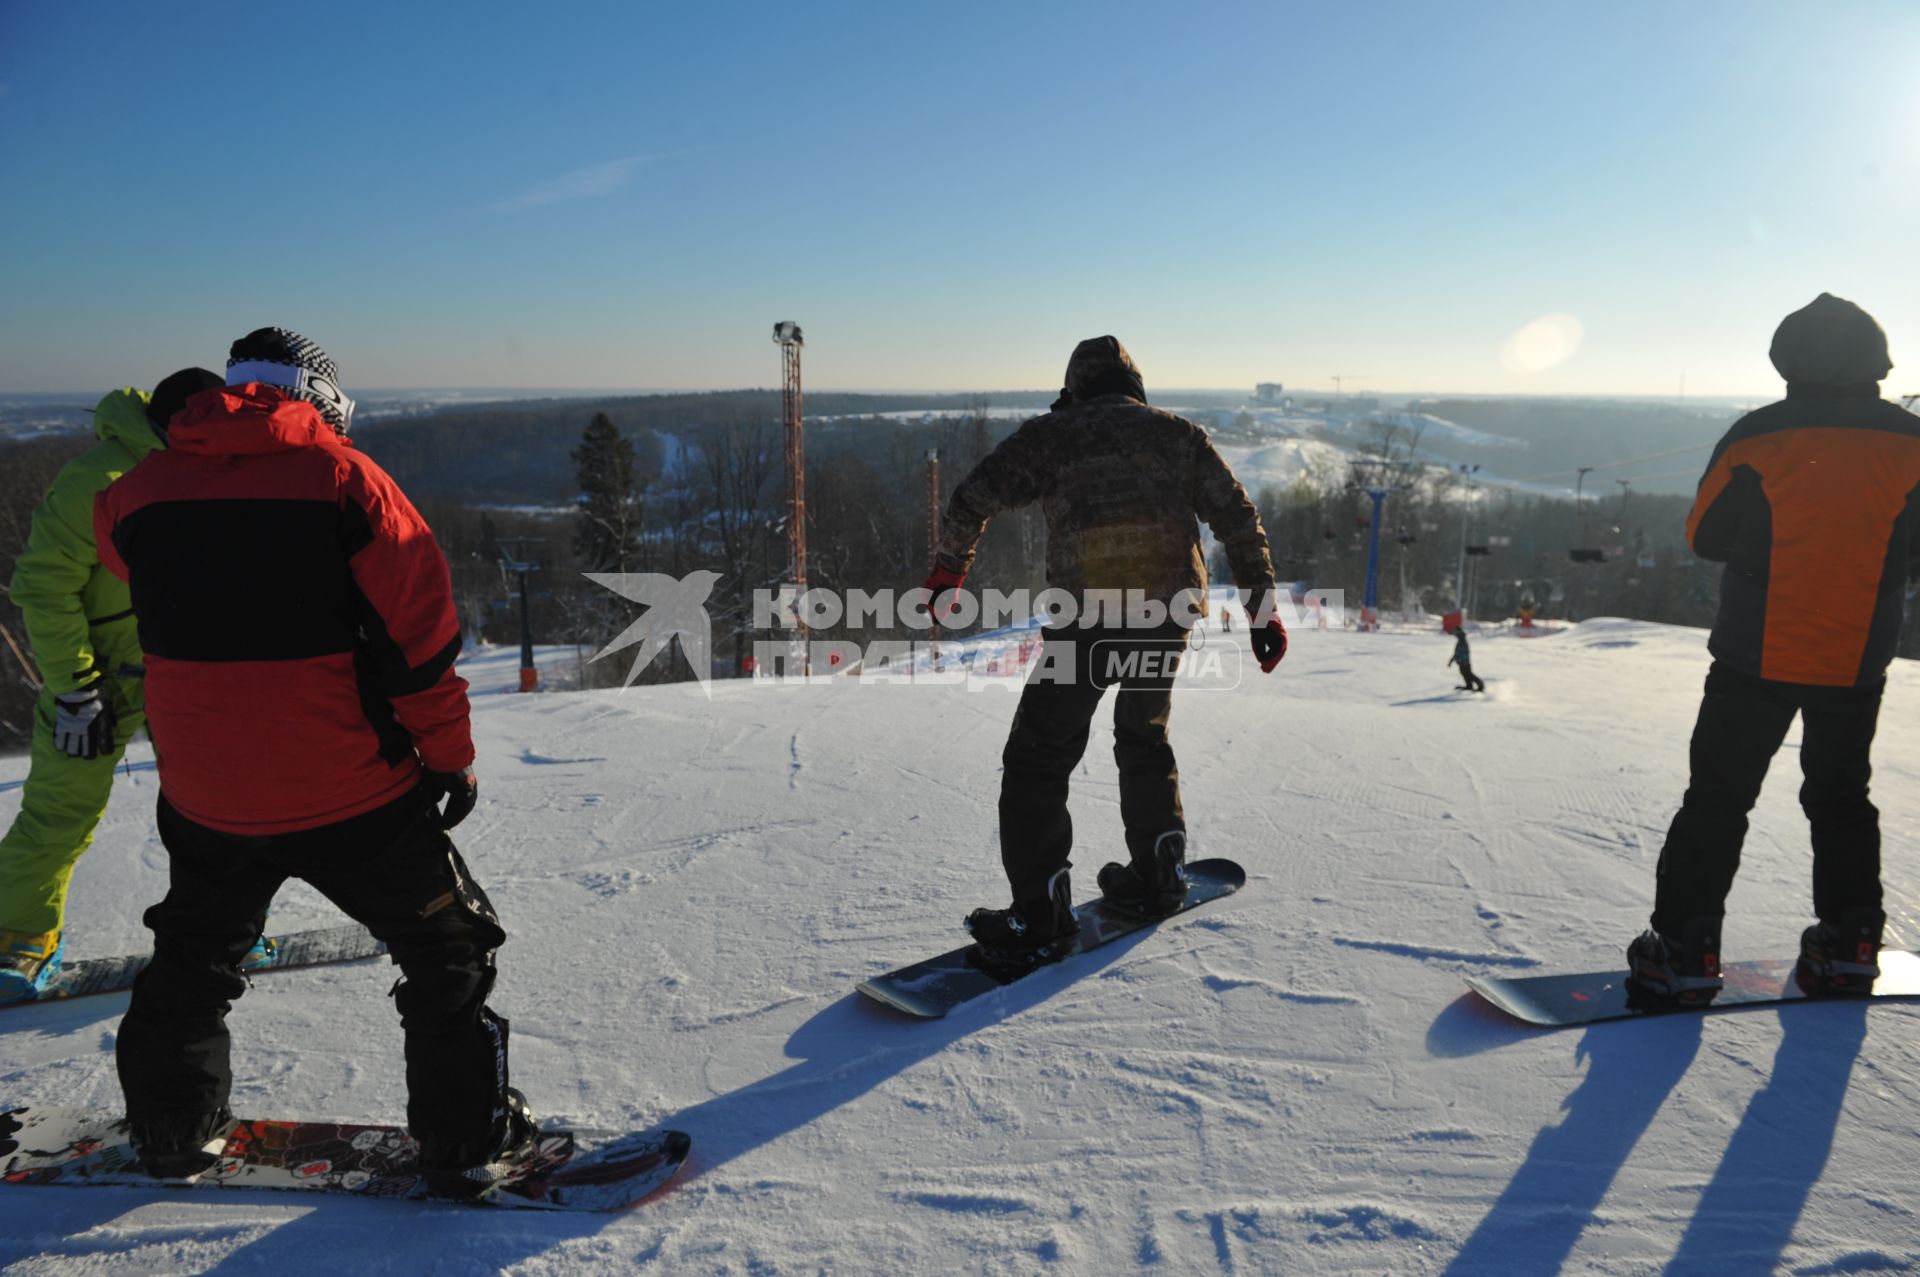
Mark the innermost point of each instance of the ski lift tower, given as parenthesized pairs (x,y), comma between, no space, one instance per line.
(786,335)
(518,559)
(1377,477)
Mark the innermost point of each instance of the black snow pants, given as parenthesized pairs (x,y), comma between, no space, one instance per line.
(1049,737)
(1742,722)
(1470,680)
(392,869)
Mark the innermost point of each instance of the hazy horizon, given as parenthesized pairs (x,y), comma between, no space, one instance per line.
(1156,394)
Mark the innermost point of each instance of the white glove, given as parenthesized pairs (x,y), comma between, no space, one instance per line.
(83,723)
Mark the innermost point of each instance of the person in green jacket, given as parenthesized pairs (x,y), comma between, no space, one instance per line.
(80,625)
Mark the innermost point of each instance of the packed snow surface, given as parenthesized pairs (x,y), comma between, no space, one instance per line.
(1291,1080)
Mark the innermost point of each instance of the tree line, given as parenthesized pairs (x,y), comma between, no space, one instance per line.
(646,492)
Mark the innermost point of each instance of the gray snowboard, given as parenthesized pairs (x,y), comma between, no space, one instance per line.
(1559,1001)
(84,977)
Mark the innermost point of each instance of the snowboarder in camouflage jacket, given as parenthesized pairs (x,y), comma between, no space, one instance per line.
(1124,487)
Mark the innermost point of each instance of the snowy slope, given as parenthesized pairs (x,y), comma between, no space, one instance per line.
(1290,1081)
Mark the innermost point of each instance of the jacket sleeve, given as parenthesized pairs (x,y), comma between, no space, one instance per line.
(1913,543)
(1726,493)
(51,573)
(1223,505)
(405,597)
(1011,476)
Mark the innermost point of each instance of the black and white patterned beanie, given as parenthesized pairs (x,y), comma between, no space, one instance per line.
(282,357)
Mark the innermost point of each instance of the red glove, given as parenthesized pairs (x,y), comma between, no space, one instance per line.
(938,582)
(1269,645)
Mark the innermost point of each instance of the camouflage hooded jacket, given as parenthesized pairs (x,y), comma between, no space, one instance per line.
(1122,485)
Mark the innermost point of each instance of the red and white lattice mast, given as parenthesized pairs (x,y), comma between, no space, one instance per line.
(787,336)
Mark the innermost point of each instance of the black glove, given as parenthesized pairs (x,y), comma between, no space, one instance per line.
(1269,644)
(461,789)
(83,722)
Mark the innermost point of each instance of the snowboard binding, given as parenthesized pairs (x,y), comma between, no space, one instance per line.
(1841,961)
(1155,886)
(1675,973)
(1023,936)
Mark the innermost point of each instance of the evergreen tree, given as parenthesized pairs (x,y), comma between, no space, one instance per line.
(606,528)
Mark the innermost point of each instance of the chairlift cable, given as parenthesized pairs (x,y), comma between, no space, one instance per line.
(1614,465)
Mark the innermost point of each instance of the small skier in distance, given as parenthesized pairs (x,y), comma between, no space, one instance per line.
(1124,487)
(1463,657)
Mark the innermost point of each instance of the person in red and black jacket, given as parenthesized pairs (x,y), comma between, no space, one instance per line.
(300,636)
(1813,503)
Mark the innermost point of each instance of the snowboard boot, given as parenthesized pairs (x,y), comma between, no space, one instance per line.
(1840,961)
(177,1145)
(1156,885)
(1031,932)
(1673,972)
(465,1171)
(28,963)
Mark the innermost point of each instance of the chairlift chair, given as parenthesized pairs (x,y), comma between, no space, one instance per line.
(1587,552)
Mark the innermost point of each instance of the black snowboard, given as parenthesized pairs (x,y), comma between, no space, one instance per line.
(1557,1001)
(936,986)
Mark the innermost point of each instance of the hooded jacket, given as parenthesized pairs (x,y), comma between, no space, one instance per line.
(1124,487)
(79,616)
(1813,503)
(297,616)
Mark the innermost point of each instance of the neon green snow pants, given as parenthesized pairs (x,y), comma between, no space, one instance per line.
(64,799)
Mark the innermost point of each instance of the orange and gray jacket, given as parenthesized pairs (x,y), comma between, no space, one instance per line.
(1813,503)
(1121,485)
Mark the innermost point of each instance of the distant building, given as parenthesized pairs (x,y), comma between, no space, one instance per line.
(1269,392)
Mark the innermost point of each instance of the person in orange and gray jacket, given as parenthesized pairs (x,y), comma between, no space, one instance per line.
(1124,487)
(1813,503)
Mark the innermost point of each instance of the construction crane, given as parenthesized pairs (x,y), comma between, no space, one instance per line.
(1340,377)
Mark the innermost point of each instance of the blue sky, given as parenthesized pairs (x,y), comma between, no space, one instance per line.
(1503,197)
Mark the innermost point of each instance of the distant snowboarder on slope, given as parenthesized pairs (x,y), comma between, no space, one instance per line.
(80,625)
(1463,657)
(300,632)
(1813,503)
(1122,485)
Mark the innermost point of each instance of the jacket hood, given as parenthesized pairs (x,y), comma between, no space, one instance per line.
(246,420)
(122,417)
(1830,342)
(1102,366)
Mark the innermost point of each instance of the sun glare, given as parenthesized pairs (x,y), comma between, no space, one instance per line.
(1545,343)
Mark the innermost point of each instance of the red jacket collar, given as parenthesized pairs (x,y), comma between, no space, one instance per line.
(245,420)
